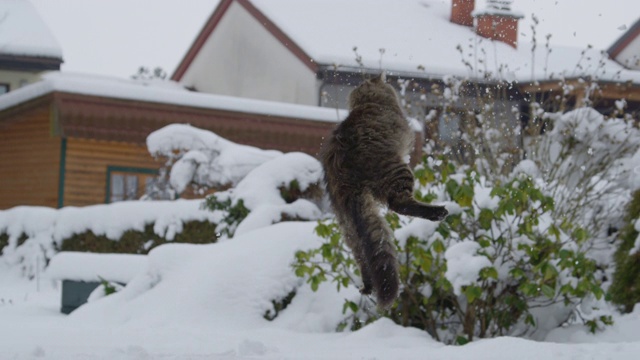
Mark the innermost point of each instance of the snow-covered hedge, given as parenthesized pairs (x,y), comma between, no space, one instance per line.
(202,158)
(266,185)
(33,235)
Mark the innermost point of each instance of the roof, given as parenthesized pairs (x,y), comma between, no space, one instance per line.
(415,38)
(24,33)
(162,92)
(632,33)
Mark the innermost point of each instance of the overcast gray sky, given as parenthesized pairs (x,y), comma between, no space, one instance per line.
(115,37)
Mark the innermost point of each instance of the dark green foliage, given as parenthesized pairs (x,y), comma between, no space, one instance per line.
(4,240)
(292,192)
(234,213)
(279,305)
(108,287)
(133,242)
(625,288)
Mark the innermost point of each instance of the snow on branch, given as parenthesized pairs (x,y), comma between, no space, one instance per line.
(204,158)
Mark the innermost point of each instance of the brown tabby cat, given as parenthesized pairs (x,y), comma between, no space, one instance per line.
(364,169)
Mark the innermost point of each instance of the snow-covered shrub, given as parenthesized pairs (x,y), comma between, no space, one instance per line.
(625,287)
(284,188)
(201,159)
(586,162)
(498,265)
(34,235)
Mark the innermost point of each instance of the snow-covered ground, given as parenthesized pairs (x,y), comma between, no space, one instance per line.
(208,302)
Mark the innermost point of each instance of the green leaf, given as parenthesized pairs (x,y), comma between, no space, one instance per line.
(438,246)
(472,292)
(548,291)
(462,340)
(485,218)
(489,272)
(549,271)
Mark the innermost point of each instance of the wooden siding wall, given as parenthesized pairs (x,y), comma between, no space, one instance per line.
(29,159)
(86,167)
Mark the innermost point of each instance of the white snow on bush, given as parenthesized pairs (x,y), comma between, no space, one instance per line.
(45,228)
(464,265)
(231,283)
(89,267)
(260,190)
(206,158)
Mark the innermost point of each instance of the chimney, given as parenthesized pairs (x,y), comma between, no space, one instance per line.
(461,12)
(498,22)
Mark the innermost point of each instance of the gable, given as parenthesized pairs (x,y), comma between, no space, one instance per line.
(241,53)
(626,50)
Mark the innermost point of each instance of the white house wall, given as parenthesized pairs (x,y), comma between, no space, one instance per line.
(18,79)
(241,58)
(630,56)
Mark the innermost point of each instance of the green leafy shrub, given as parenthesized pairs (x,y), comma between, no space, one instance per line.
(234,213)
(625,287)
(483,272)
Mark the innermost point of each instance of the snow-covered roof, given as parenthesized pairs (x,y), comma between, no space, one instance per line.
(23,32)
(401,35)
(160,91)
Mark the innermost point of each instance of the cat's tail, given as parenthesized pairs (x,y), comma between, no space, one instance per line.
(378,248)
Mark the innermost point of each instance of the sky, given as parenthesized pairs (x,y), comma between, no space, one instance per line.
(116,37)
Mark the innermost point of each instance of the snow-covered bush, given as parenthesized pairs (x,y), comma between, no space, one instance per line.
(500,264)
(284,188)
(625,287)
(31,236)
(201,159)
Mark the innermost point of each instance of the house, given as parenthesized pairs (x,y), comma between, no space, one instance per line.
(261,74)
(626,50)
(27,47)
(314,52)
(74,140)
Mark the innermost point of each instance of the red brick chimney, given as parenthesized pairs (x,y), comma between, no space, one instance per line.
(461,12)
(498,22)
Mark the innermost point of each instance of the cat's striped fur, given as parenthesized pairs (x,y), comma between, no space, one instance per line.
(364,169)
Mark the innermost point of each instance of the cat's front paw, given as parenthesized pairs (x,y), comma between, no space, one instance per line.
(437,213)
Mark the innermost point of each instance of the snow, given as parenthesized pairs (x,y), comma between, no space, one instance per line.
(148,40)
(52,226)
(23,32)
(370,32)
(207,301)
(89,267)
(463,265)
(209,158)
(260,191)
(164,92)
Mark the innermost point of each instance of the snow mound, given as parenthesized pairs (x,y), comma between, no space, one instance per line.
(260,191)
(96,267)
(205,157)
(44,235)
(231,283)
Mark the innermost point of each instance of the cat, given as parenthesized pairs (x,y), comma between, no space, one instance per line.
(364,169)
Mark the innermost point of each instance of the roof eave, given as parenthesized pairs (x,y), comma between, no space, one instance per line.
(29,63)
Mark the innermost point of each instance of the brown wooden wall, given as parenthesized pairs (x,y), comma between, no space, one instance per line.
(86,166)
(29,159)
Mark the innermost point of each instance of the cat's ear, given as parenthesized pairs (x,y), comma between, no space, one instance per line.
(380,78)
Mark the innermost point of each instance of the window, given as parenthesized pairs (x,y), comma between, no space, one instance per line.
(124,183)
(4,88)
(449,127)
